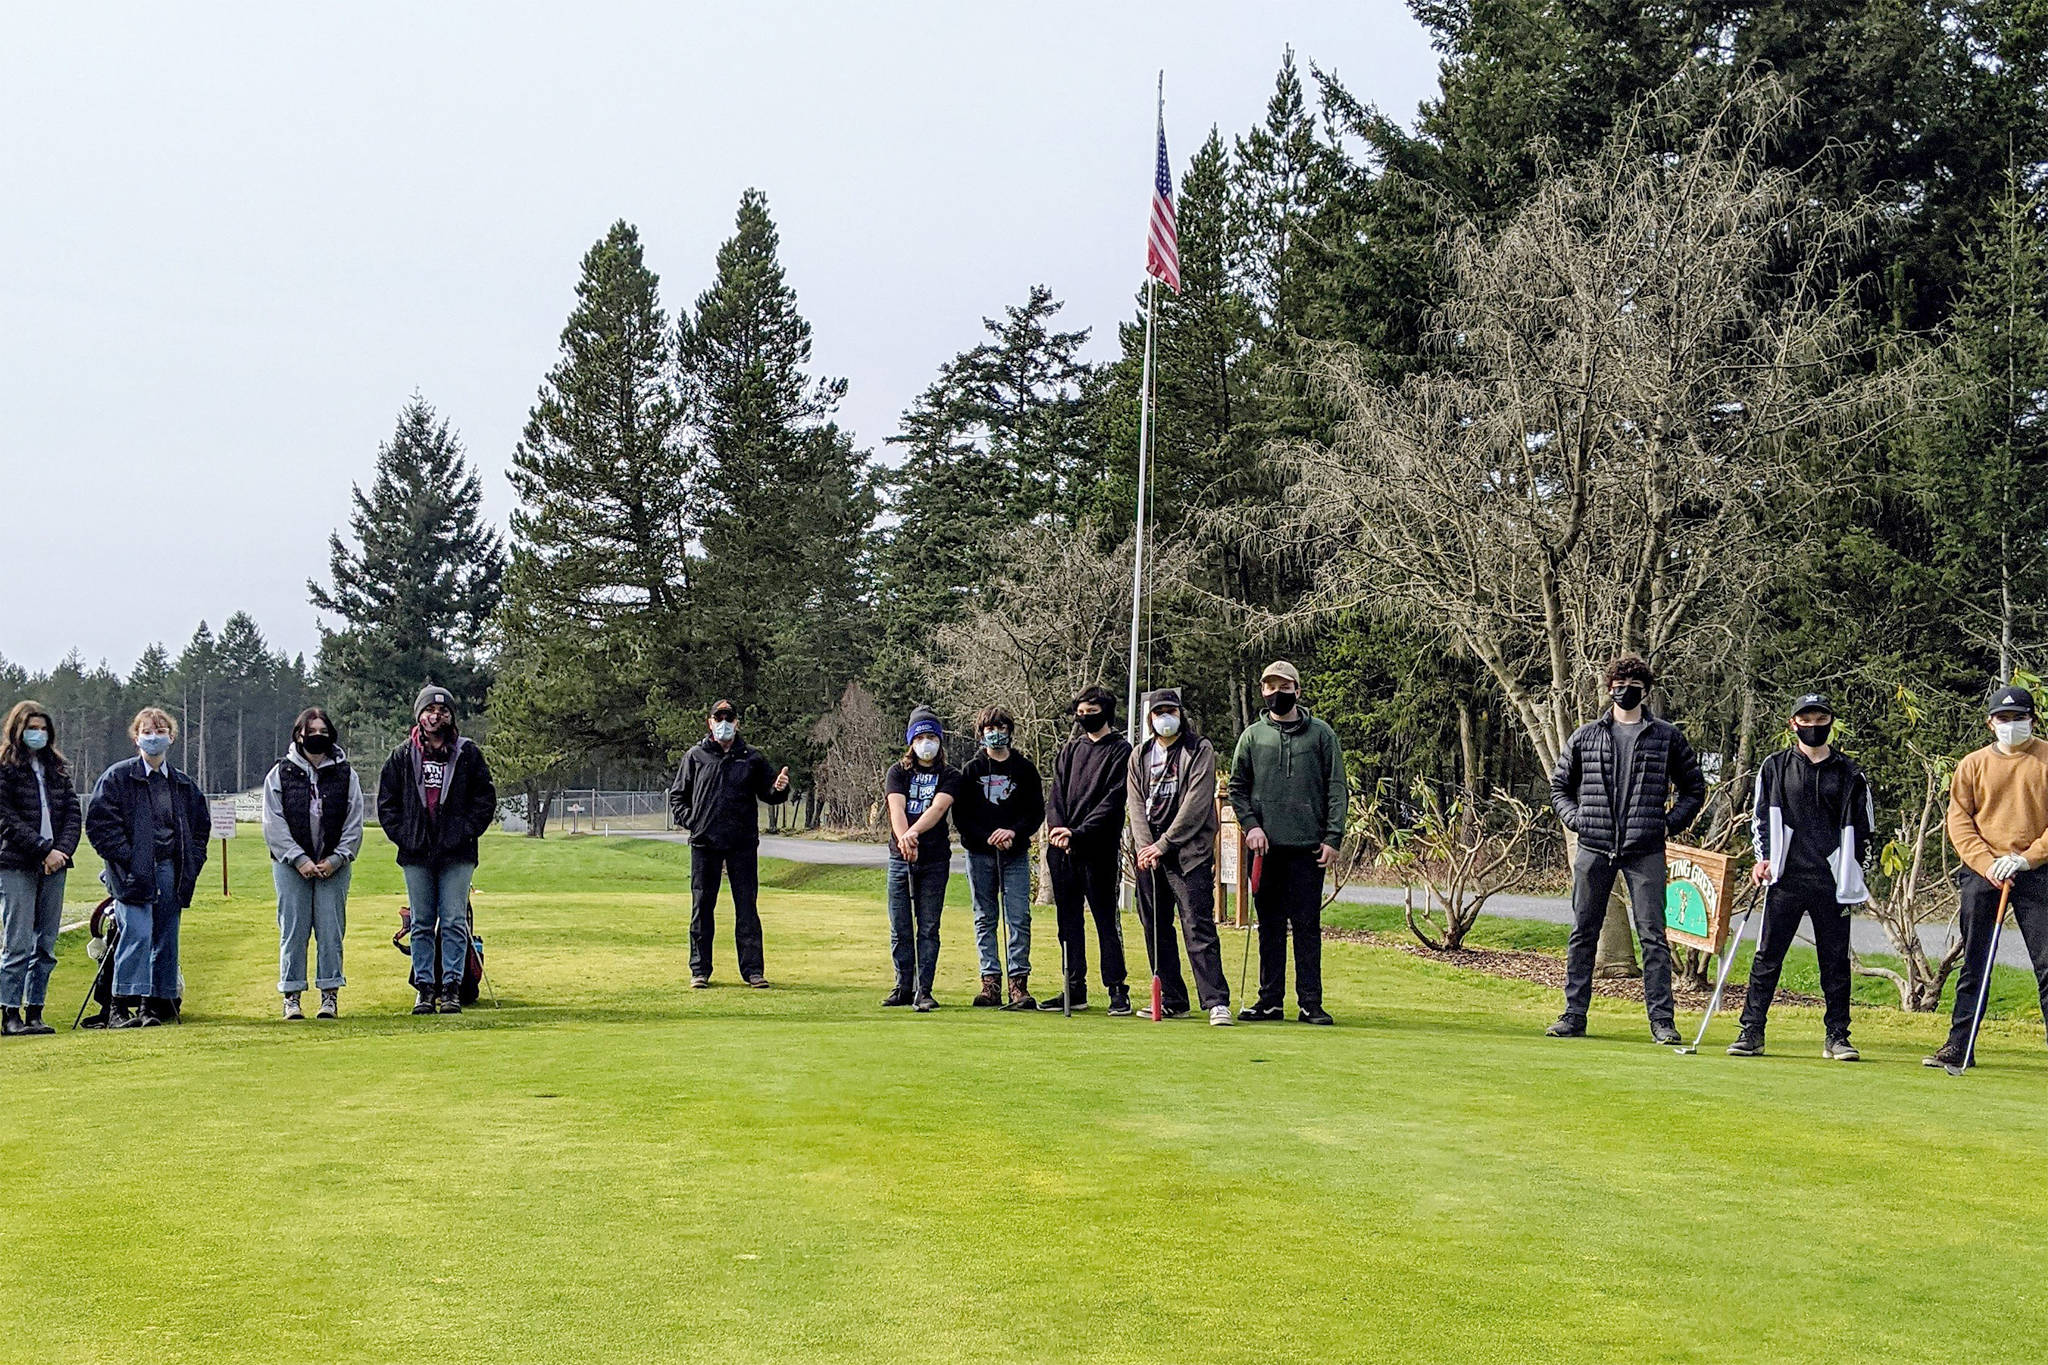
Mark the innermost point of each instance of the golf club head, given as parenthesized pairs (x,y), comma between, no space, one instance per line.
(1952,1069)
(1687,1050)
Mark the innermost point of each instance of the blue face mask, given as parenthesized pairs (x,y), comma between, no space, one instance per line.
(35,739)
(155,745)
(995,739)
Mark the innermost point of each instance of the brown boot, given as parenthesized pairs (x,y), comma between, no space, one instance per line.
(991,993)
(1020,998)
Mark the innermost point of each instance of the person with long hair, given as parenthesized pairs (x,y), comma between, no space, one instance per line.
(920,790)
(39,828)
(149,823)
(313,826)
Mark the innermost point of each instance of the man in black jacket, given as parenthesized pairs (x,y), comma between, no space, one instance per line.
(435,799)
(1609,789)
(1084,823)
(713,798)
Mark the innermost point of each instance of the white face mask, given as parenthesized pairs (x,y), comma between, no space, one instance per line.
(2013,733)
(1166,727)
(926,749)
(723,730)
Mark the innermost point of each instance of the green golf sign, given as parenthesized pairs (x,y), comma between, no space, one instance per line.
(1696,895)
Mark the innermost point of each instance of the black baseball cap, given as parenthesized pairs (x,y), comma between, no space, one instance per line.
(2010,699)
(1813,701)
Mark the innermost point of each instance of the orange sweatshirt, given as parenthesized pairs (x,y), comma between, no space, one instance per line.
(1998,804)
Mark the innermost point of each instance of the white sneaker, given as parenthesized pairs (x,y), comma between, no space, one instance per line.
(1219,1015)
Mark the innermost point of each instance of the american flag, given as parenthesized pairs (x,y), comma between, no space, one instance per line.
(1162,239)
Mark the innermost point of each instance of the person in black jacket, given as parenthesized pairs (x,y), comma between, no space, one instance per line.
(1084,822)
(435,799)
(149,823)
(1002,804)
(1609,788)
(716,788)
(39,826)
(1812,824)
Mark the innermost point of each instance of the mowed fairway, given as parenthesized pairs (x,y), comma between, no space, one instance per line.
(613,1168)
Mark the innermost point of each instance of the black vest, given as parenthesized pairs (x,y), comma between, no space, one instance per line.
(295,791)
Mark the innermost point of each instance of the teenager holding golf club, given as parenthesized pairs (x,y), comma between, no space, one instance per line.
(1610,788)
(1288,786)
(313,826)
(1084,822)
(435,799)
(1811,824)
(1998,822)
(39,828)
(149,824)
(920,789)
(714,797)
(1170,790)
(1002,804)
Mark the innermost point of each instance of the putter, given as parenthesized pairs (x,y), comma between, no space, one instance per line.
(1244,968)
(1158,998)
(1727,961)
(1984,987)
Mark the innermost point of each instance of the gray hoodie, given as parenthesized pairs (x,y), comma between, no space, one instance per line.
(277,834)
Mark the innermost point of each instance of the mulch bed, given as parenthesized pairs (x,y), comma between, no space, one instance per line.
(1545,970)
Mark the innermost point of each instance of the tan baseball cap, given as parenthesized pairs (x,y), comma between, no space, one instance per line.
(1280,668)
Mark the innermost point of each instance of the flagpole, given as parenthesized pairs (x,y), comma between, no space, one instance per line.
(1144,452)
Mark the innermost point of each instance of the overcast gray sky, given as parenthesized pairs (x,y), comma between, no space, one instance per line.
(236,237)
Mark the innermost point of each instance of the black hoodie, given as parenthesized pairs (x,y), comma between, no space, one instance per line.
(1088,791)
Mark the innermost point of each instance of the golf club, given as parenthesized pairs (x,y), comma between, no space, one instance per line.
(1158,1010)
(106,959)
(1244,968)
(1727,961)
(1984,987)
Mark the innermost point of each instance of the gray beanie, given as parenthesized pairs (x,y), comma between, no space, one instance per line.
(431,693)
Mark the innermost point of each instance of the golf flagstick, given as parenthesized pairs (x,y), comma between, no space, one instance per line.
(1984,988)
(1727,961)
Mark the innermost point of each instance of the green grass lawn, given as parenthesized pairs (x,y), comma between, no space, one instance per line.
(611,1168)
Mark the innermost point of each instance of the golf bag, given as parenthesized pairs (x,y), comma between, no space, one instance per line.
(473,964)
(105,931)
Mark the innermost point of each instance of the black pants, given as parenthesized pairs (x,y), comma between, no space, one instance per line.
(1593,877)
(743,866)
(1290,902)
(1089,876)
(1784,906)
(1193,893)
(2028,907)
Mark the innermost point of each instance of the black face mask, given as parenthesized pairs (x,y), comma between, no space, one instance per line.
(317,744)
(1093,723)
(1628,696)
(1813,736)
(1280,703)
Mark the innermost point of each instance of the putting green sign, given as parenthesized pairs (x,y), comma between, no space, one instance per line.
(1696,896)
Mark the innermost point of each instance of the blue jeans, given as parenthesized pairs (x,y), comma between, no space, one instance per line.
(440,922)
(1001,883)
(914,939)
(310,907)
(31,911)
(146,958)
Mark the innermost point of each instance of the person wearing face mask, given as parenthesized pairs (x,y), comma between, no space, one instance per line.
(1170,789)
(39,828)
(1998,823)
(1291,794)
(313,827)
(435,799)
(1084,821)
(149,824)
(1811,824)
(714,797)
(920,790)
(1609,788)
(1002,804)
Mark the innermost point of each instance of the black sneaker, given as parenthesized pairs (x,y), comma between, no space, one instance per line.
(330,1003)
(925,1004)
(424,1001)
(1748,1043)
(1567,1026)
(1840,1049)
(1119,1002)
(1050,1004)
(1948,1054)
(1314,1014)
(900,996)
(123,1017)
(451,1001)
(1169,1012)
(1664,1035)
(1261,1014)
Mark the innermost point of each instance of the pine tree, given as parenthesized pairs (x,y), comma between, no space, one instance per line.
(415,589)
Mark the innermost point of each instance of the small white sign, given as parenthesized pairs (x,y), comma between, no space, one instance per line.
(223,813)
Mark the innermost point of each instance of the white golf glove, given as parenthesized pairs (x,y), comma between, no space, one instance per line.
(2005,868)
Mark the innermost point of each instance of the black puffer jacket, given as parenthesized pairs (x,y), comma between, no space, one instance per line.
(1582,787)
(22,845)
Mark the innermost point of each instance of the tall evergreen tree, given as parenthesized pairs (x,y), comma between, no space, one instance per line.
(415,589)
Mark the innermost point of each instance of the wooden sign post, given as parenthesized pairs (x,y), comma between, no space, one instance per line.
(1233,869)
(1698,896)
(222,816)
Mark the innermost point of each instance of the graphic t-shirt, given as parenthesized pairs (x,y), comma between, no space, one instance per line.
(919,787)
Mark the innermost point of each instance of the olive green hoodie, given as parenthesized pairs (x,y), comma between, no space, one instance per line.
(1287,778)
